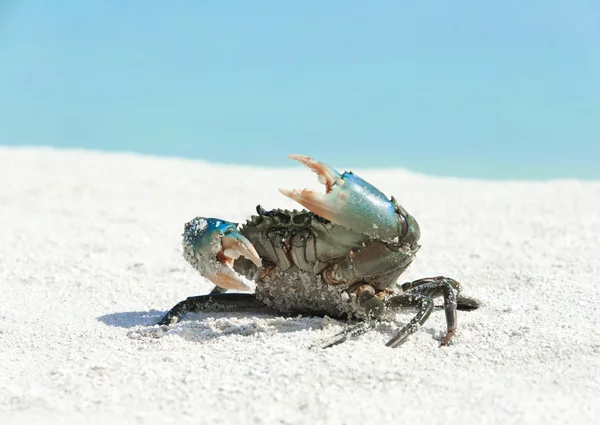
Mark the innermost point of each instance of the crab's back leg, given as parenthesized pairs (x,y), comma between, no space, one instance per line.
(420,295)
(374,308)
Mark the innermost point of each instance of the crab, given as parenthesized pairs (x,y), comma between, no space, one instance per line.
(340,257)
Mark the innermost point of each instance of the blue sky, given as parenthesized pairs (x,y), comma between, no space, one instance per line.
(505,89)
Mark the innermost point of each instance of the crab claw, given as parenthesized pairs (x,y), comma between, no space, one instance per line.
(349,201)
(211,245)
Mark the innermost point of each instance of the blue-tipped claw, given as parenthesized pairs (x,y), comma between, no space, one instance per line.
(348,201)
(211,245)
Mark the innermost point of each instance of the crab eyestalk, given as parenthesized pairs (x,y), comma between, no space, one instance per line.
(211,246)
(349,201)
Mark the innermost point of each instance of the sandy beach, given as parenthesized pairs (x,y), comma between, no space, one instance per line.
(90,260)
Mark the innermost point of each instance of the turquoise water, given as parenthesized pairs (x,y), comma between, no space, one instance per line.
(503,90)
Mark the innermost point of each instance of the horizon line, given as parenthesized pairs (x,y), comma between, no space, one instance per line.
(289,165)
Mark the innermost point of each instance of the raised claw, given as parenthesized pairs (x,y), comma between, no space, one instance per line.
(211,245)
(349,201)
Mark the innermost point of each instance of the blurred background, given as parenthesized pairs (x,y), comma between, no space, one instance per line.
(495,90)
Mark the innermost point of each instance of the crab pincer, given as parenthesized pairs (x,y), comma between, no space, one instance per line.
(211,245)
(350,202)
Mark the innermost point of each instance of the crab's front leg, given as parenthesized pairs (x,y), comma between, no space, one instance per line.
(211,246)
(212,301)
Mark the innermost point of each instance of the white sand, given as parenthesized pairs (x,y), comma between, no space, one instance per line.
(90,258)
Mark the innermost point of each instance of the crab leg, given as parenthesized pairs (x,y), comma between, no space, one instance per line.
(420,295)
(374,308)
(463,303)
(353,331)
(214,301)
(425,305)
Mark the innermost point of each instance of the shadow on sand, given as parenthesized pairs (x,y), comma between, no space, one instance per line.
(131,319)
(205,326)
